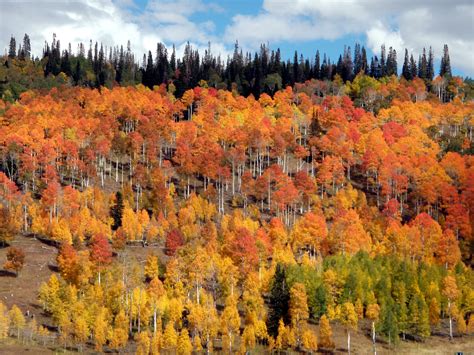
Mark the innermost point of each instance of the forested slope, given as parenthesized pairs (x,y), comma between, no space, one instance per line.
(326,202)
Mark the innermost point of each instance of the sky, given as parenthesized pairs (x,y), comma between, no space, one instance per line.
(302,25)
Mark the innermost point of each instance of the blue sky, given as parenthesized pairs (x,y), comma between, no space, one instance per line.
(302,25)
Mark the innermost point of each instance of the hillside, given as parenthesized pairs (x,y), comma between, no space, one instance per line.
(220,222)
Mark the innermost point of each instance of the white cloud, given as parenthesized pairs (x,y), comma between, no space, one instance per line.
(379,34)
(413,24)
(111,22)
(72,21)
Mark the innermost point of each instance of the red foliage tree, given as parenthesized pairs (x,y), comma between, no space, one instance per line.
(174,240)
(101,252)
(15,260)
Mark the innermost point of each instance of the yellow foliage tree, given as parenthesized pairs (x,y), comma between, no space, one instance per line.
(170,337)
(4,321)
(17,320)
(325,333)
(184,347)
(348,318)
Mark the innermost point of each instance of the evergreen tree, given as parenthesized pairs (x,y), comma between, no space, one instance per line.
(357,59)
(364,64)
(413,68)
(12,48)
(296,69)
(383,69)
(325,69)
(430,66)
(66,64)
(173,60)
(116,211)
(77,75)
(423,66)
(347,71)
(120,66)
(148,77)
(406,72)
(279,301)
(317,66)
(26,47)
(391,65)
(445,68)
(89,54)
(277,65)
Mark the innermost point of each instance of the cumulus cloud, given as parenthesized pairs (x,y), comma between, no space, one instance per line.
(413,24)
(107,21)
(72,22)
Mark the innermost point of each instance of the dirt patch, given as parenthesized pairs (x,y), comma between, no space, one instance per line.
(23,290)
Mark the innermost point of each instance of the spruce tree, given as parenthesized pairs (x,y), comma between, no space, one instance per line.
(413,68)
(66,64)
(383,69)
(279,301)
(117,210)
(324,68)
(445,68)
(423,66)
(317,66)
(430,66)
(357,59)
(391,65)
(364,64)
(26,47)
(77,76)
(12,48)
(406,72)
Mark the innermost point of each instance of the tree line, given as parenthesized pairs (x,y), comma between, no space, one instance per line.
(248,73)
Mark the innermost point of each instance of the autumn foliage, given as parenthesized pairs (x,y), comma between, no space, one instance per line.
(336,203)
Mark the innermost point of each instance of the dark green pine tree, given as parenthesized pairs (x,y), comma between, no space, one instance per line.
(120,66)
(279,301)
(26,47)
(117,210)
(77,75)
(256,89)
(89,54)
(347,65)
(383,63)
(324,68)
(147,78)
(406,72)
(101,72)
(173,61)
(277,64)
(430,65)
(445,68)
(391,65)
(357,59)
(364,64)
(339,66)
(12,48)
(296,69)
(66,64)
(317,66)
(413,68)
(423,66)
